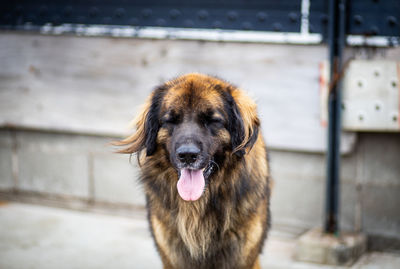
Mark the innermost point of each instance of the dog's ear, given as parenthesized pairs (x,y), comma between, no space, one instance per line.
(147,126)
(152,122)
(244,123)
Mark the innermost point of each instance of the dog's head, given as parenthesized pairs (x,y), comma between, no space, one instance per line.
(197,121)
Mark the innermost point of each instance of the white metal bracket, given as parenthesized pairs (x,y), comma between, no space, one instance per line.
(370,97)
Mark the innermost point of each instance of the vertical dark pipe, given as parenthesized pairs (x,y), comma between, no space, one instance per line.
(336,35)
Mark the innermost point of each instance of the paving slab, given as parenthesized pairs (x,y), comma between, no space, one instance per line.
(378,260)
(40,237)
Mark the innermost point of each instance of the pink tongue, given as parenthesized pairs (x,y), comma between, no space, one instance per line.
(191,184)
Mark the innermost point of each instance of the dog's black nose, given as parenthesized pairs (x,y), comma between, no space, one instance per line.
(188,153)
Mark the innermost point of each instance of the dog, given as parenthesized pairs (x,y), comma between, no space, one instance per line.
(205,173)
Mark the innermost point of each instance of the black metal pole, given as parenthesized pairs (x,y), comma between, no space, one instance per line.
(336,35)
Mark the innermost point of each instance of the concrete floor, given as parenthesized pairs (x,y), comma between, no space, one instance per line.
(33,236)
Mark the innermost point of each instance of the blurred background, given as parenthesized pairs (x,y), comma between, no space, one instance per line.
(73,74)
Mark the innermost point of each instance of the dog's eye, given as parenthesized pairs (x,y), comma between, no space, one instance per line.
(216,122)
(211,120)
(169,120)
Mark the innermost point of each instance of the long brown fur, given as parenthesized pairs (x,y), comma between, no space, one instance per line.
(227,226)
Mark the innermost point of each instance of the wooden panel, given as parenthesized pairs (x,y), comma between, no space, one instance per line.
(95,85)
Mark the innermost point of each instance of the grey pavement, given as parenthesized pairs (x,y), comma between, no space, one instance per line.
(39,237)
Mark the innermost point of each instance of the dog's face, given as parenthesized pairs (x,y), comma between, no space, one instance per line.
(194,130)
(197,122)
(192,133)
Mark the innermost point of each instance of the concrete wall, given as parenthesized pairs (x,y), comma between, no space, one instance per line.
(67,167)
(63,99)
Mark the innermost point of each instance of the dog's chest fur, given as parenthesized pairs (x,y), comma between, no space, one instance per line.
(196,237)
(208,233)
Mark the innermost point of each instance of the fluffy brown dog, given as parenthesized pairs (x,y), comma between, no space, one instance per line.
(205,173)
